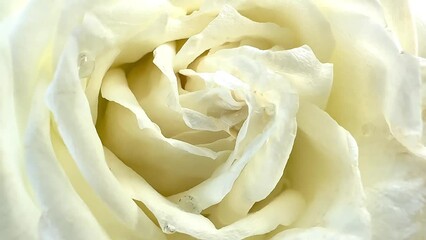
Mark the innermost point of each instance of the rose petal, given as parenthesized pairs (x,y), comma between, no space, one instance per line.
(367,8)
(282,211)
(67,102)
(115,88)
(314,31)
(213,189)
(248,141)
(399,203)
(265,169)
(217,104)
(400,20)
(188,5)
(298,66)
(19,213)
(79,221)
(317,233)
(376,99)
(103,31)
(324,168)
(9,9)
(151,87)
(146,25)
(172,158)
(229,26)
(418,8)
(395,84)
(163,59)
(394,78)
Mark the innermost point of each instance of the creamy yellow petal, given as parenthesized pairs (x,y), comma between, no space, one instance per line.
(67,102)
(230,26)
(401,21)
(54,193)
(19,213)
(284,210)
(325,161)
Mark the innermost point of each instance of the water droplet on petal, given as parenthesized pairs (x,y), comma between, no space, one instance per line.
(86,65)
(367,129)
(188,204)
(168,229)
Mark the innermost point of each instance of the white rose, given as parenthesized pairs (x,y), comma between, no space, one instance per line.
(212,120)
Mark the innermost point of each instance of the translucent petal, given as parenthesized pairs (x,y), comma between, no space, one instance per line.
(387,81)
(418,8)
(324,168)
(155,92)
(284,210)
(402,198)
(266,167)
(113,226)
(67,102)
(188,5)
(229,26)
(263,69)
(163,59)
(54,193)
(8,9)
(175,160)
(313,30)
(376,96)
(272,74)
(218,105)
(151,87)
(115,88)
(19,213)
(103,31)
(256,130)
(317,233)
(159,23)
(26,58)
(249,140)
(371,9)
(401,21)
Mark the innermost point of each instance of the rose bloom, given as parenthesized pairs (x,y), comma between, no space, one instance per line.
(191,119)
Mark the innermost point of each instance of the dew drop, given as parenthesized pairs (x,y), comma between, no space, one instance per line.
(188,204)
(86,65)
(367,129)
(168,229)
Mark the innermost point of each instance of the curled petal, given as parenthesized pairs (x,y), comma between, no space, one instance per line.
(284,210)
(67,102)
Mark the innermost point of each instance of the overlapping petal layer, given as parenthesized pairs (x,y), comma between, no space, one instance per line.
(215,120)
